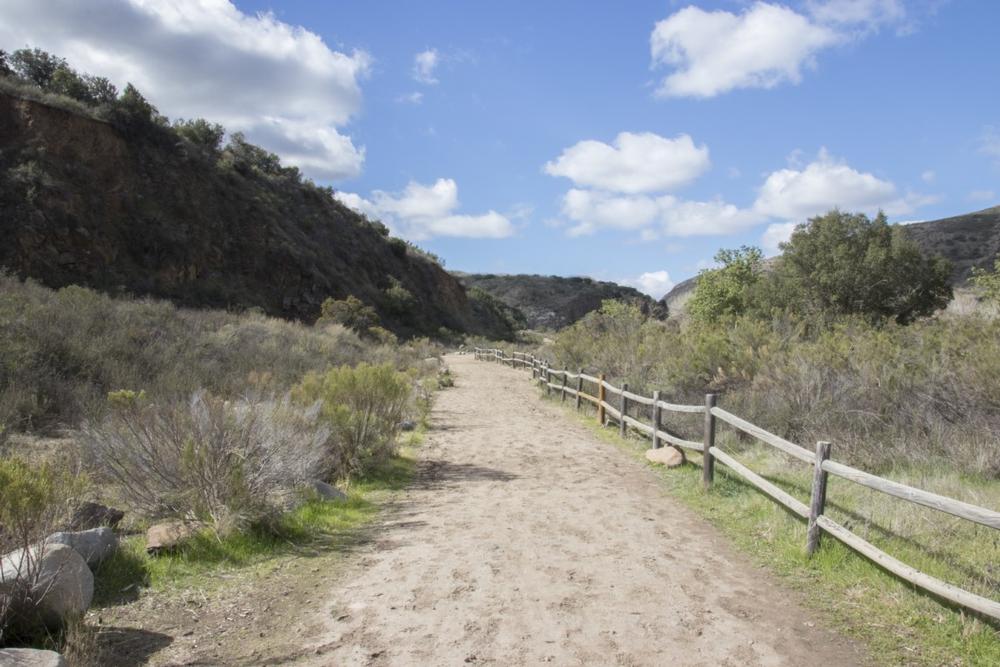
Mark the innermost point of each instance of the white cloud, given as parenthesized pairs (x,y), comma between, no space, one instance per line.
(422,211)
(776,234)
(866,13)
(715,52)
(279,84)
(654,283)
(825,183)
(928,176)
(424,64)
(653,217)
(415,97)
(643,162)
(982,195)
(989,142)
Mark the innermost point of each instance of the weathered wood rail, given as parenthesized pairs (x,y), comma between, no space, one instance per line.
(817,522)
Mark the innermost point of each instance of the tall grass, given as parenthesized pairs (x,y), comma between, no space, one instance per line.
(926,394)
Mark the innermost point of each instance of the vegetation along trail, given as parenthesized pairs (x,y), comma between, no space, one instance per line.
(526,540)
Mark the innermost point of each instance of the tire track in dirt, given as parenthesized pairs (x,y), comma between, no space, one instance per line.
(525,540)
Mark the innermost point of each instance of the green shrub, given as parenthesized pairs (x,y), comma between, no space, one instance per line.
(364,406)
(351,312)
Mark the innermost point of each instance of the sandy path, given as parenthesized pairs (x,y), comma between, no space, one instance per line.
(519,545)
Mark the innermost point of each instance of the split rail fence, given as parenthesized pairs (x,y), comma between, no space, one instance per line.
(820,460)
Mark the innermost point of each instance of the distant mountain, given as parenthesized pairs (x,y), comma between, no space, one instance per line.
(553,302)
(137,207)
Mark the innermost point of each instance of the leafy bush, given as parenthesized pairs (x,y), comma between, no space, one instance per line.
(364,406)
(351,312)
(33,500)
(988,282)
(399,300)
(727,291)
(227,463)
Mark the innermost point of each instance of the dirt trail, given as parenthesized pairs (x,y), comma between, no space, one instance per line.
(526,540)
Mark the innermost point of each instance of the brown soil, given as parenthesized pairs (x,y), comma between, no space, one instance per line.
(523,540)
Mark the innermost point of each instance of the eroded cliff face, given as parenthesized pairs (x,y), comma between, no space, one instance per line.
(82,203)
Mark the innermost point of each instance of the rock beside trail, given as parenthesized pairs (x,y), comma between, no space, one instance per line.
(30,657)
(169,535)
(326,491)
(56,574)
(94,515)
(94,545)
(671,457)
(407,425)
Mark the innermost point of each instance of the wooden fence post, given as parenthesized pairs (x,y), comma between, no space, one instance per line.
(708,461)
(563,390)
(548,379)
(623,408)
(656,420)
(579,389)
(818,503)
(534,368)
(600,399)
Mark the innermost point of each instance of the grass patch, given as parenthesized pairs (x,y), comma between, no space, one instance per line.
(313,528)
(900,625)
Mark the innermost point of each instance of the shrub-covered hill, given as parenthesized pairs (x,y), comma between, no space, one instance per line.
(116,199)
(968,241)
(553,302)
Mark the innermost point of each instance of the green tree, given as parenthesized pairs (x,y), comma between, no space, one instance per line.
(847,264)
(988,281)
(36,66)
(201,133)
(351,313)
(244,156)
(65,81)
(101,90)
(5,69)
(399,299)
(728,290)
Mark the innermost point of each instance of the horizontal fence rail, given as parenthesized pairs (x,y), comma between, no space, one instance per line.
(618,411)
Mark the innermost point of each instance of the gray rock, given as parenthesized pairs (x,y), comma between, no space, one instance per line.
(30,657)
(407,425)
(169,535)
(94,545)
(94,515)
(326,491)
(56,575)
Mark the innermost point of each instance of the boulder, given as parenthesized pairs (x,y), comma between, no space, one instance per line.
(94,545)
(407,425)
(30,657)
(668,456)
(326,491)
(57,576)
(94,515)
(169,535)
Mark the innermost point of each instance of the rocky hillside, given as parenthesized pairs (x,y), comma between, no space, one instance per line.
(967,241)
(553,302)
(138,208)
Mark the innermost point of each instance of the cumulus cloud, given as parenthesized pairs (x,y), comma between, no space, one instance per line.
(415,97)
(713,52)
(643,162)
(825,183)
(424,64)
(653,217)
(423,211)
(654,283)
(279,84)
(982,195)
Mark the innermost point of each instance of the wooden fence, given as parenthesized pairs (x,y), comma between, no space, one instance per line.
(823,466)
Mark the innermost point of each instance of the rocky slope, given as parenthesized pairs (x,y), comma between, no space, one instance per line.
(86,202)
(553,302)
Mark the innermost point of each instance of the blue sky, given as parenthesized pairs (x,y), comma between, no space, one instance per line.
(615,140)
